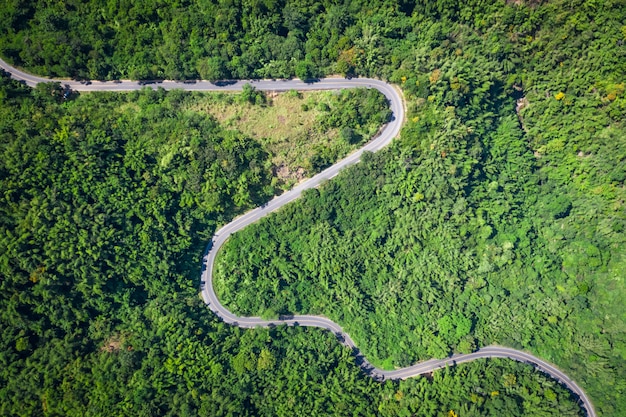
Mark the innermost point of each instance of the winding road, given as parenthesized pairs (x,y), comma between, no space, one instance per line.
(387,134)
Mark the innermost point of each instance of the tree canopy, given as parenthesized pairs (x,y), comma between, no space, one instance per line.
(498,216)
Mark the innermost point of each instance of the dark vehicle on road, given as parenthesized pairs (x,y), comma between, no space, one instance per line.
(223,83)
(146,82)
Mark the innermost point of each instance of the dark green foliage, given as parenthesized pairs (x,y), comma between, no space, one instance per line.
(107,202)
(357,107)
(305,70)
(252,95)
(477,227)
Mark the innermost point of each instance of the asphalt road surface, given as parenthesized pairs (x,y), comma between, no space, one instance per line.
(386,135)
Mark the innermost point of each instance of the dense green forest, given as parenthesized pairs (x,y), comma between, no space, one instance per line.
(480,225)
(497,217)
(107,203)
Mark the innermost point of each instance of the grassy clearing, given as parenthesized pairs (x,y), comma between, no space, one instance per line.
(290,126)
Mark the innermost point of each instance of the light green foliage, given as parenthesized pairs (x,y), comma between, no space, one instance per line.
(513,223)
(108,200)
(299,142)
(479,225)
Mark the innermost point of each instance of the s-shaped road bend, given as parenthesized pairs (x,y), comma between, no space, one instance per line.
(386,135)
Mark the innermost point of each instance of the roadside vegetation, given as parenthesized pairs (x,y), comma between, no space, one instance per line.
(498,217)
(107,203)
(303,132)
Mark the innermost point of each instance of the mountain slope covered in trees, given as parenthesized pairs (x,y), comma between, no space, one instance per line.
(107,203)
(503,197)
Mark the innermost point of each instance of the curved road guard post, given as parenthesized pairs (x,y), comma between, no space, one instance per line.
(388,133)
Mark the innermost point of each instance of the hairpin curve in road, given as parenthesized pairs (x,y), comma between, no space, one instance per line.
(386,135)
